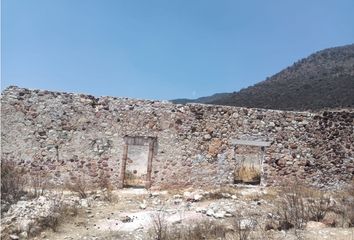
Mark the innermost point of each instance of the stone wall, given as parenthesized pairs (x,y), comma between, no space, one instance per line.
(71,135)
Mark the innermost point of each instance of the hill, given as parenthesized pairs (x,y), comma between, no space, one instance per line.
(325,79)
(212,98)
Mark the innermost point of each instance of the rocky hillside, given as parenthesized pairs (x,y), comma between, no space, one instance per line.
(209,99)
(325,79)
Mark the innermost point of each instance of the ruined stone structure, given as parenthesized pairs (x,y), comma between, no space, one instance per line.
(76,135)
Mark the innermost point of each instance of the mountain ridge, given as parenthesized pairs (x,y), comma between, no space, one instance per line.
(324,79)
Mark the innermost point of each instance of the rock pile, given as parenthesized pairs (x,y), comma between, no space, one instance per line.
(29,217)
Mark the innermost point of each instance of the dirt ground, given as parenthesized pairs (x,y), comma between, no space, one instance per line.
(131,212)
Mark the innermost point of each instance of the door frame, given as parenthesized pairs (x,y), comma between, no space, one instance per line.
(142,141)
(256,143)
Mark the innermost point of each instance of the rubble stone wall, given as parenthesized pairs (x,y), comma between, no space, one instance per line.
(75,135)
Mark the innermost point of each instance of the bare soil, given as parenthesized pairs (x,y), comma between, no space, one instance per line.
(130,214)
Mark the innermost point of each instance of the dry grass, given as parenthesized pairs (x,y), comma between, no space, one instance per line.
(201,230)
(60,212)
(106,187)
(12,182)
(350,205)
(345,209)
(159,230)
(244,193)
(111,235)
(39,184)
(299,204)
(52,221)
(79,186)
(214,195)
(208,229)
(349,196)
(248,174)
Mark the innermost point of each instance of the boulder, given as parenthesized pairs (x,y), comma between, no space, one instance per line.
(219,214)
(210,212)
(197,197)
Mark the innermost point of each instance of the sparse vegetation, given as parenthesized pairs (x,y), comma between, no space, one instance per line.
(299,204)
(216,195)
(241,232)
(105,185)
(350,205)
(296,206)
(201,230)
(346,207)
(12,182)
(322,80)
(57,208)
(38,183)
(60,211)
(241,228)
(159,226)
(317,204)
(79,186)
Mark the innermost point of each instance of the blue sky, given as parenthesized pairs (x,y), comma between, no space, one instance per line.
(161,49)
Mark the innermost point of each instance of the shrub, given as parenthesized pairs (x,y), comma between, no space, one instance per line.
(39,183)
(52,221)
(59,211)
(105,185)
(242,231)
(203,230)
(346,206)
(200,230)
(318,206)
(243,227)
(159,226)
(12,182)
(78,185)
(299,204)
(351,204)
(291,208)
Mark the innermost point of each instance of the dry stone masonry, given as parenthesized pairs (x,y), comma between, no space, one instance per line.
(72,136)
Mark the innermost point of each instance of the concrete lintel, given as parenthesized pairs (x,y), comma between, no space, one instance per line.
(250,143)
(139,140)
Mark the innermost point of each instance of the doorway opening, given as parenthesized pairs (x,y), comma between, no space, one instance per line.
(136,164)
(249,157)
